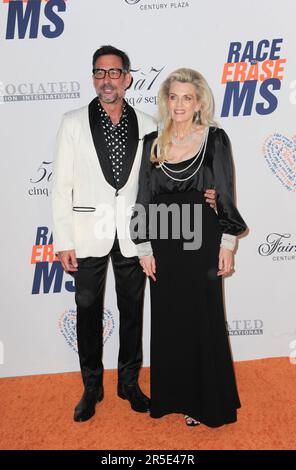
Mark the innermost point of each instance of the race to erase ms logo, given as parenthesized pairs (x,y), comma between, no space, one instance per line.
(34,18)
(49,274)
(67,326)
(252,76)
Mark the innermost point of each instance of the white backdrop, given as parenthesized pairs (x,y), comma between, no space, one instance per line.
(46,71)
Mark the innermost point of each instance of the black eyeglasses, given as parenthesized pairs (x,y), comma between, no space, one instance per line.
(113,73)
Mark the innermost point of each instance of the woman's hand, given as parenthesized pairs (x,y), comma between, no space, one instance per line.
(149,266)
(211,198)
(225,261)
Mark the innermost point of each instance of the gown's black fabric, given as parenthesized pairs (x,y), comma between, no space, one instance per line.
(191,364)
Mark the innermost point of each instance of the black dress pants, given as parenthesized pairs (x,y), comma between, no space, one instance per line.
(90,282)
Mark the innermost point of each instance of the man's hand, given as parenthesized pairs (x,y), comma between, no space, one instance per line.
(68,260)
(149,266)
(225,261)
(210,196)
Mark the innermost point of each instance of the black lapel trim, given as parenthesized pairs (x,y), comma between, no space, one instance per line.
(99,141)
(83,209)
(132,145)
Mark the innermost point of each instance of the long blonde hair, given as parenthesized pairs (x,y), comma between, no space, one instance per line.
(206,113)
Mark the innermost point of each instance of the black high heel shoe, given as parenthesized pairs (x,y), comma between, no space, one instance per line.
(191,421)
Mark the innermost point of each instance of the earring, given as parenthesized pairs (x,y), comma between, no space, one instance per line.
(196,117)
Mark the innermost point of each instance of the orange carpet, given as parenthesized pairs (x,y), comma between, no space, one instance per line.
(36,413)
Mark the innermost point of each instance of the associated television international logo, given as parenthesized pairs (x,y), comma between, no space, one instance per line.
(245,327)
(67,326)
(30,18)
(253,75)
(49,274)
(280,155)
(46,91)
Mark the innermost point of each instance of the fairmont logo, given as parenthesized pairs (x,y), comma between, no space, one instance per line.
(278,246)
(12,92)
(147,5)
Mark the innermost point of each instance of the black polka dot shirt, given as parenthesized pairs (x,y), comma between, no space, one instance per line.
(116,140)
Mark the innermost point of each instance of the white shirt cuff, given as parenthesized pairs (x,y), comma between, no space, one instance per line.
(144,249)
(228,241)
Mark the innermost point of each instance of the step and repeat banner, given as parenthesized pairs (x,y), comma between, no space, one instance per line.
(246,51)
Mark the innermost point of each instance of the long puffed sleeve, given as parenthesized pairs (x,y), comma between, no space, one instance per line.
(230,219)
(139,226)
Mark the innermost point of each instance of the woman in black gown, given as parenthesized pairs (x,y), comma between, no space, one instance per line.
(191,366)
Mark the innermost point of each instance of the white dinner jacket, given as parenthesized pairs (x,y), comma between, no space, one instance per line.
(87,210)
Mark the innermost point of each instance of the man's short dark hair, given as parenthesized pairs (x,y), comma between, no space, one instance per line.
(110,50)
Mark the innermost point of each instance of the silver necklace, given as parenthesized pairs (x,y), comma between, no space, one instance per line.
(185,140)
(203,147)
(196,157)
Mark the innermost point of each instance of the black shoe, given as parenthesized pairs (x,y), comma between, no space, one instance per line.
(139,402)
(86,408)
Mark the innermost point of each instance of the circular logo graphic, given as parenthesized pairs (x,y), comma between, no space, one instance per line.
(67,326)
(280,155)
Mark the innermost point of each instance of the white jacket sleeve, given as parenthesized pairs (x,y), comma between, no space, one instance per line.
(62,191)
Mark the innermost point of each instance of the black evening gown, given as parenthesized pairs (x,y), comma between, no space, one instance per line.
(191,365)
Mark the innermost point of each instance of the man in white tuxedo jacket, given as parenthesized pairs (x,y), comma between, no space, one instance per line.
(99,149)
